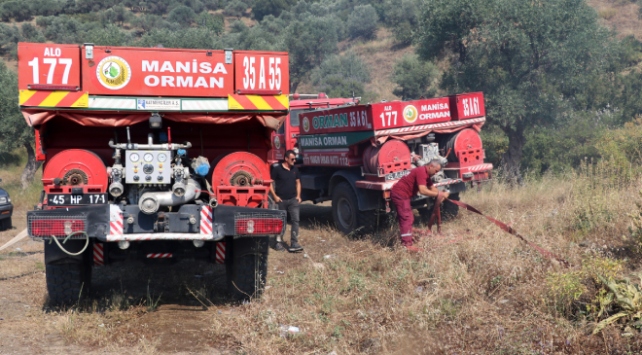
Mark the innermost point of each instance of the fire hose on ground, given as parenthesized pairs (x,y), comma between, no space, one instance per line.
(435,218)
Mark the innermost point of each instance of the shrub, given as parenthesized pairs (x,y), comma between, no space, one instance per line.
(9,38)
(147,22)
(263,8)
(182,15)
(235,8)
(414,78)
(32,34)
(214,23)
(108,36)
(341,76)
(403,33)
(212,4)
(563,290)
(607,14)
(362,22)
(16,10)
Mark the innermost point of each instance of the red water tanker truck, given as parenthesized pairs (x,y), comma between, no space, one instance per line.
(152,154)
(352,154)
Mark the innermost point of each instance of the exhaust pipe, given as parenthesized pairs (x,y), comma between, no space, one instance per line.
(151,202)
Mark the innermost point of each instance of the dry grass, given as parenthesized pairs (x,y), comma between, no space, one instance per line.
(474,290)
(620,16)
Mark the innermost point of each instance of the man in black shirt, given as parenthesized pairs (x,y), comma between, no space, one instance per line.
(286,191)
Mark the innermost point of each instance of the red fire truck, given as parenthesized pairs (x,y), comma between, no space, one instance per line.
(352,154)
(153,154)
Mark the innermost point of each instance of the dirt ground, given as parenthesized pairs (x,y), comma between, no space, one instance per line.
(139,308)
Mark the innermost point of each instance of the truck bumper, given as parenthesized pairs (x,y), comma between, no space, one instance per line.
(107,223)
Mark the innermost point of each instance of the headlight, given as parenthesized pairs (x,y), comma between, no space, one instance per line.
(4,200)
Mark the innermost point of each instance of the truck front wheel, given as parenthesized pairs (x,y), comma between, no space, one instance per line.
(246,264)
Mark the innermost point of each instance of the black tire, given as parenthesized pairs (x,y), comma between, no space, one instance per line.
(67,283)
(6,224)
(345,212)
(69,280)
(247,267)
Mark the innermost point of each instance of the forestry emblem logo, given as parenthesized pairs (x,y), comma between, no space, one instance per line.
(410,113)
(114,72)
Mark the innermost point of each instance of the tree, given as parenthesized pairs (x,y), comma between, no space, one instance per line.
(402,18)
(235,8)
(14,132)
(109,36)
(414,78)
(362,22)
(194,38)
(341,76)
(147,22)
(31,33)
(16,10)
(9,38)
(253,38)
(534,60)
(308,44)
(182,15)
(263,8)
(64,29)
(215,24)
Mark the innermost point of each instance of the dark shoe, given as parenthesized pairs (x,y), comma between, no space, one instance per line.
(278,246)
(295,247)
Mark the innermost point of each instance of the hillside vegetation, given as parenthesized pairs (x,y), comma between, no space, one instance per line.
(385,49)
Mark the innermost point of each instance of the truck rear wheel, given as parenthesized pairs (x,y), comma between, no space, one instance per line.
(346,215)
(246,264)
(68,279)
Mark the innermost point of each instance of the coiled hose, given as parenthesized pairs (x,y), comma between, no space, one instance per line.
(67,238)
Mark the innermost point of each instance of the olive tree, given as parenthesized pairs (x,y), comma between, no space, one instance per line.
(534,60)
(14,131)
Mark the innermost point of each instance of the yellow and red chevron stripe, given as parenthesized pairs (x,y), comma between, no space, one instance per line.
(37,98)
(258,102)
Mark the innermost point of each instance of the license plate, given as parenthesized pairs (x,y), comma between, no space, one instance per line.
(71,200)
(397,175)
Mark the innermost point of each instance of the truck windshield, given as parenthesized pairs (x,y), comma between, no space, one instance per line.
(294,118)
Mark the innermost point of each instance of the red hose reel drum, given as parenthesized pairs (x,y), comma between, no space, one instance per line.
(392,156)
(75,168)
(241,179)
(466,148)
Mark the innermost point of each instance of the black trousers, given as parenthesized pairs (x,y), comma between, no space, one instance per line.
(291,206)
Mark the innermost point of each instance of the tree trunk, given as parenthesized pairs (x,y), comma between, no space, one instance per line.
(512,159)
(294,84)
(31,167)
